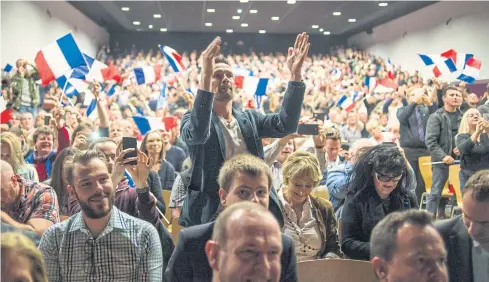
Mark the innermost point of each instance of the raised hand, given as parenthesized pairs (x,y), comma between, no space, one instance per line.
(96,89)
(140,171)
(296,56)
(208,62)
(121,164)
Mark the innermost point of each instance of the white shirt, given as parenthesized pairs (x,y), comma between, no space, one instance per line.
(306,236)
(233,138)
(480,263)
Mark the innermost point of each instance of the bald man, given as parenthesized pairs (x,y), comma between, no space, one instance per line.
(246,245)
(25,204)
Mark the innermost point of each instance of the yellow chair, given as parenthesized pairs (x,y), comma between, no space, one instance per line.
(427,174)
(175,229)
(166,198)
(338,270)
(454,179)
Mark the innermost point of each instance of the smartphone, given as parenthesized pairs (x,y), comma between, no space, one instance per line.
(319,116)
(130,143)
(47,119)
(345,146)
(308,129)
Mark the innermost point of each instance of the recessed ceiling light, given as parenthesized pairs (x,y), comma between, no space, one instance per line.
(290,1)
(275,18)
(244,25)
(125,9)
(383,4)
(163,29)
(326,33)
(136,23)
(352,20)
(150,26)
(239,11)
(243,1)
(315,26)
(336,13)
(156,16)
(262,31)
(321,30)
(208,24)
(211,10)
(253,11)
(236,17)
(229,30)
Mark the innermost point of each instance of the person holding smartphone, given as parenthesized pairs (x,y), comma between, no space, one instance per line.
(25,91)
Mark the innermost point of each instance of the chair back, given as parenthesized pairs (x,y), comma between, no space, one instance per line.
(454,179)
(166,198)
(175,229)
(427,173)
(338,270)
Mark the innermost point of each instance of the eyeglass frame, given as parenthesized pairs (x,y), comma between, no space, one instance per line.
(388,179)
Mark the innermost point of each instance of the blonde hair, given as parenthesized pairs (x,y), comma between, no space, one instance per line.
(16,155)
(246,164)
(16,244)
(464,123)
(301,164)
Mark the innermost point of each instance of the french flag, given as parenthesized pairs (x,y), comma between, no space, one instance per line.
(91,104)
(253,85)
(5,114)
(471,71)
(386,85)
(371,82)
(148,74)
(146,124)
(58,58)
(112,90)
(390,69)
(8,68)
(100,72)
(448,64)
(72,86)
(173,58)
(347,103)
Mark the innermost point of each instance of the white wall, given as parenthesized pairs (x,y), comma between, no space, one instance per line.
(26,27)
(426,31)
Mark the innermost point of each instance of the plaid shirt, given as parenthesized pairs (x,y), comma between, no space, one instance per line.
(128,249)
(36,201)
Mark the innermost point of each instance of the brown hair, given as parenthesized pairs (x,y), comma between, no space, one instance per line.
(82,157)
(245,163)
(42,130)
(479,185)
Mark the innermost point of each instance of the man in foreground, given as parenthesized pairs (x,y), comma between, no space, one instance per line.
(246,245)
(242,178)
(406,247)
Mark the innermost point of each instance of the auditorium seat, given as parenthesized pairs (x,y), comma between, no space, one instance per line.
(166,198)
(338,270)
(427,174)
(454,179)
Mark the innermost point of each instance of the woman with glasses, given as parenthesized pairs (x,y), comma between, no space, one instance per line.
(308,220)
(472,141)
(379,185)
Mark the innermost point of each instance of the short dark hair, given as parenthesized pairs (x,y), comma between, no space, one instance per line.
(82,157)
(41,130)
(244,163)
(479,185)
(84,125)
(219,233)
(220,59)
(450,87)
(100,140)
(383,241)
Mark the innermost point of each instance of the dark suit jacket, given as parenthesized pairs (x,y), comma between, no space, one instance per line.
(202,132)
(459,247)
(189,261)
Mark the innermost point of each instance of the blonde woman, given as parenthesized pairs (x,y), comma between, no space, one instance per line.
(472,141)
(11,152)
(309,220)
(21,260)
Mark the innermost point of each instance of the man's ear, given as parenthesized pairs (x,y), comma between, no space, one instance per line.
(212,251)
(222,196)
(380,268)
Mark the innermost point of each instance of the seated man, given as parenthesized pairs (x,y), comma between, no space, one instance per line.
(405,246)
(100,243)
(241,178)
(25,204)
(246,245)
(467,236)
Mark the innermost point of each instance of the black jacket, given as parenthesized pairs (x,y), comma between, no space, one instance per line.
(459,248)
(410,142)
(167,175)
(189,261)
(361,212)
(439,137)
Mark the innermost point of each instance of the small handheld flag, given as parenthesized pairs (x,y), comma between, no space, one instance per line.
(148,74)
(146,124)
(173,58)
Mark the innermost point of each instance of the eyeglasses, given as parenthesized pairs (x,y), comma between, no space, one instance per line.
(385,178)
(89,266)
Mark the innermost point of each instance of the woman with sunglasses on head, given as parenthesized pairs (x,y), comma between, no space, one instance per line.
(379,185)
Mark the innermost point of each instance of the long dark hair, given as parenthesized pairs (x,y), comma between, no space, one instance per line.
(144,148)
(57,175)
(381,159)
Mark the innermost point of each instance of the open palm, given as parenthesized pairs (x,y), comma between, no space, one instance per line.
(297,54)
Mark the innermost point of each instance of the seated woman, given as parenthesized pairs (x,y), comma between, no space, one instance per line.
(309,220)
(472,141)
(379,185)
(152,146)
(11,152)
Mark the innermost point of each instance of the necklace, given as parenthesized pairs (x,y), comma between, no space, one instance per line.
(303,244)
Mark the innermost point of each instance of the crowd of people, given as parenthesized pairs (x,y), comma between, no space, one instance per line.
(77,205)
